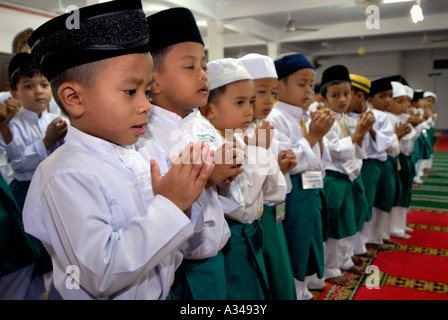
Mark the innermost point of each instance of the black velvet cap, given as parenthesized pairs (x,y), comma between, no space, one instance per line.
(335,73)
(418,94)
(18,60)
(380,85)
(106,30)
(291,63)
(400,79)
(172,26)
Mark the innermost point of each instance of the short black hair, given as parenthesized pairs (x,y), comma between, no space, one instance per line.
(84,74)
(356,90)
(28,69)
(324,88)
(159,56)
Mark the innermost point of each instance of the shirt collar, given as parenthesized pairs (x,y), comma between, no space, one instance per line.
(31,115)
(295,111)
(170,118)
(104,149)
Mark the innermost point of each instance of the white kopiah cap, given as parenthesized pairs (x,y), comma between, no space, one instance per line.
(259,66)
(409,91)
(225,71)
(398,89)
(427,94)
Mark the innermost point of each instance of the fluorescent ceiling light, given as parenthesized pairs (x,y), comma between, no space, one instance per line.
(416,13)
(395,1)
(201,23)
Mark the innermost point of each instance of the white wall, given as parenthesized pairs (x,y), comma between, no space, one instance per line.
(13,22)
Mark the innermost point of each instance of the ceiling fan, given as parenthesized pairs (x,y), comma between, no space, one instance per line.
(291,26)
(425,40)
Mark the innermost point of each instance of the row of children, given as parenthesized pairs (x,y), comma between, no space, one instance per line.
(248,196)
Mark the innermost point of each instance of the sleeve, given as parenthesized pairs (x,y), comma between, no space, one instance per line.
(384,134)
(308,158)
(78,225)
(24,156)
(394,148)
(339,148)
(274,186)
(407,141)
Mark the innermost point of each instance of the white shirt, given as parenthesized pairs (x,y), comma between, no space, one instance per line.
(27,149)
(172,133)
(376,149)
(261,182)
(92,205)
(406,143)
(274,141)
(286,119)
(346,156)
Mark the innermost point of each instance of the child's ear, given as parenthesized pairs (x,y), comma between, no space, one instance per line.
(208,111)
(155,86)
(69,95)
(280,86)
(323,100)
(370,99)
(360,96)
(14,94)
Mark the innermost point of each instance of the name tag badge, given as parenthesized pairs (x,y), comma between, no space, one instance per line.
(350,166)
(312,180)
(280,212)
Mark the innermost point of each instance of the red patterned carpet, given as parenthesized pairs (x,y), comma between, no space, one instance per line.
(417,268)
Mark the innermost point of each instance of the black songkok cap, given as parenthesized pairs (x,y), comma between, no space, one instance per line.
(291,63)
(18,60)
(106,30)
(400,79)
(380,85)
(172,26)
(335,73)
(418,94)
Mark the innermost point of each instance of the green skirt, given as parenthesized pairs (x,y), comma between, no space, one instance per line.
(276,257)
(423,147)
(406,175)
(17,248)
(43,264)
(432,138)
(340,192)
(370,173)
(244,263)
(202,279)
(305,225)
(385,193)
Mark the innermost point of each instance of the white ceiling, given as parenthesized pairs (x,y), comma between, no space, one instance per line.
(252,24)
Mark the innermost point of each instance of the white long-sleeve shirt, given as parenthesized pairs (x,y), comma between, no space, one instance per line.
(27,149)
(376,149)
(172,133)
(261,182)
(282,177)
(92,205)
(406,142)
(346,156)
(286,119)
